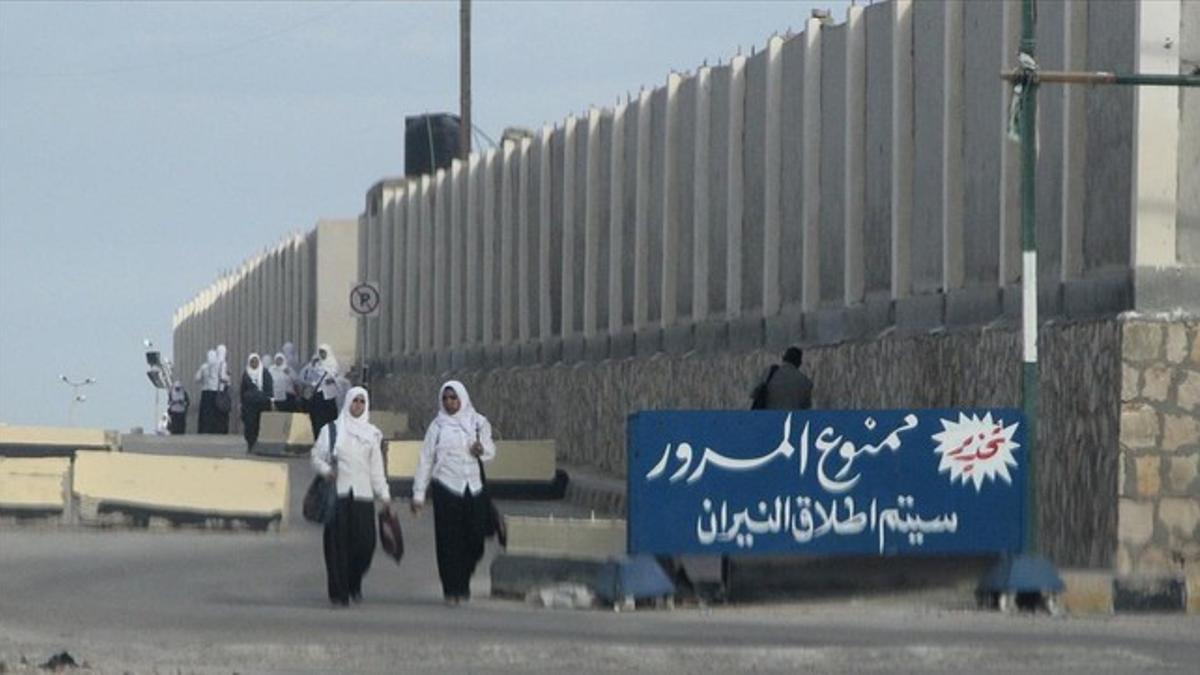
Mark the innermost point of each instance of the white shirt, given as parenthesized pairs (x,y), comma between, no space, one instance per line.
(446,457)
(281,379)
(359,464)
(322,380)
(210,378)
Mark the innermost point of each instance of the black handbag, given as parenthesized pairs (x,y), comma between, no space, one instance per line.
(223,402)
(320,500)
(493,522)
(391,537)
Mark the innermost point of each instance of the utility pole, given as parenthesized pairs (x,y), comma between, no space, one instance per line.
(464,79)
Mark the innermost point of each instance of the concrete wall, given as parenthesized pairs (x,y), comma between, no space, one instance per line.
(584,406)
(835,183)
(297,291)
(830,188)
(1159,516)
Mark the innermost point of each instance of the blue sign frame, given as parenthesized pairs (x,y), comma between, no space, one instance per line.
(875,482)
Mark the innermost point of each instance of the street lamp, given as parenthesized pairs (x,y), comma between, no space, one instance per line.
(159,372)
(76,397)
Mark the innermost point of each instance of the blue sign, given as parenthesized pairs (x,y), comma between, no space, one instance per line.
(879,482)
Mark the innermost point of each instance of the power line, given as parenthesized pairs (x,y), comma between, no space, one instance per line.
(227,49)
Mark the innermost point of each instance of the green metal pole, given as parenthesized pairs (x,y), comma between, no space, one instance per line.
(1099,77)
(1029,294)
(1158,80)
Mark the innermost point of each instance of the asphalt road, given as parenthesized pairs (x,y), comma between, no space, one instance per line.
(180,601)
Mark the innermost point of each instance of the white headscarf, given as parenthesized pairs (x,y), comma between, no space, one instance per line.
(330,362)
(466,418)
(289,354)
(360,427)
(221,353)
(256,374)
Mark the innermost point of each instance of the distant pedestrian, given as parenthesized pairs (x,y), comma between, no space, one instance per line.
(255,398)
(283,394)
(356,466)
(221,421)
(178,403)
(449,466)
(163,428)
(320,376)
(784,386)
(209,377)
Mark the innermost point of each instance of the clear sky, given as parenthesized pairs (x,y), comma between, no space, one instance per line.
(146,146)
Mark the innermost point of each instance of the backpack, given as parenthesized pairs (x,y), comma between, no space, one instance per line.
(758,396)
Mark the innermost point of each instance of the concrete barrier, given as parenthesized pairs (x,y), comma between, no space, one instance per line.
(520,470)
(284,433)
(34,488)
(161,490)
(392,423)
(53,441)
(547,551)
(1087,591)
(574,538)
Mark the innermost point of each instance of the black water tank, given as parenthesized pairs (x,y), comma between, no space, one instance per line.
(430,142)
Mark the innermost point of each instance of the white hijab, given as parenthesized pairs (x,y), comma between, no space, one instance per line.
(221,353)
(360,427)
(466,418)
(256,374)
(330,362)
(289,354)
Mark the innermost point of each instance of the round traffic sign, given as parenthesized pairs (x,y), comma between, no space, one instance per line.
(364,298)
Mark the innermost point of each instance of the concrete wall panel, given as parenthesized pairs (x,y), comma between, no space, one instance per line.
(981,146)
(1050,56)
(833,162)
(1188,220)
(335,276)
(754,166)
(681,191)
(718,180)
(928,55)
(1106,236)
(877,223)
(557,148)
(655,197)
(578,243)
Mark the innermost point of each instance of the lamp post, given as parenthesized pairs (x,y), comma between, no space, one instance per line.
(76,397)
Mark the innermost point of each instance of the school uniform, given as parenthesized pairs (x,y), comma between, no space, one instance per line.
(322,375)
(448,472)
(349,541)
(255,398)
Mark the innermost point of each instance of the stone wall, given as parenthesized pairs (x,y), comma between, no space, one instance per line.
(1160,448)
(583,406)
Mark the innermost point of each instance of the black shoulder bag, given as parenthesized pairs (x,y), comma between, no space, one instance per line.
(320,500)
(758,397)
(493,522)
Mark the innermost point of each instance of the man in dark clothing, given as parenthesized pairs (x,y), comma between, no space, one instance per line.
(785,387)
